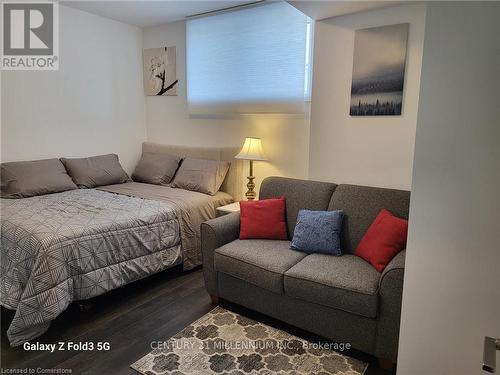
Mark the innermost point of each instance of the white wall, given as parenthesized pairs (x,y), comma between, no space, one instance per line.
(93,105)
(285,138)
(376,151)
(451,297)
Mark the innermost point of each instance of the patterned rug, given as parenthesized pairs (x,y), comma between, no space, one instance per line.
(223,342)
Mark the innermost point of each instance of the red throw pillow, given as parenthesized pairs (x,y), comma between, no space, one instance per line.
(264,219)
(383,240)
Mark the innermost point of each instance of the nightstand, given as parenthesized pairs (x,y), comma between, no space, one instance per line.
(228,208)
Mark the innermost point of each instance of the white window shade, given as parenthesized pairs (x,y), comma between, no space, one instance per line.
(252,60)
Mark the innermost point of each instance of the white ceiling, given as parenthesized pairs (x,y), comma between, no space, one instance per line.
(319,10)
(155,12)
(150,13)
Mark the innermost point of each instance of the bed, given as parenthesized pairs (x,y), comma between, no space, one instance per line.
(78,244)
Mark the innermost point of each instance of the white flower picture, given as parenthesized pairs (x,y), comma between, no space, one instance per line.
(160,71)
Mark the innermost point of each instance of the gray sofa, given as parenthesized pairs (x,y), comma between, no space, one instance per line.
(341,298)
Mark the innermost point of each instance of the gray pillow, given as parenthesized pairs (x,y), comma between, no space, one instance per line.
(22,179)
(96,171)
(204,176)
(158,169)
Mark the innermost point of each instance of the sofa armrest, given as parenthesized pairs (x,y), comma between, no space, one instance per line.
(214,234)
(397,264)
(390,298)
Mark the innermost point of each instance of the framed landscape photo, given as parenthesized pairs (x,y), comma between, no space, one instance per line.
(160,71)
(378,71)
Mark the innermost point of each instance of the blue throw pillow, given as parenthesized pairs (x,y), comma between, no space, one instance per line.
(318,232)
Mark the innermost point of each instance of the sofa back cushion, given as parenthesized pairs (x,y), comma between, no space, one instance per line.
(299,194)
(361,204)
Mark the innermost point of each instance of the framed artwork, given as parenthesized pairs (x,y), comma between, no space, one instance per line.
(378,71)
(159,71)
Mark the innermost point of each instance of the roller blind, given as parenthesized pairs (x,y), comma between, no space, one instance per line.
(252,60)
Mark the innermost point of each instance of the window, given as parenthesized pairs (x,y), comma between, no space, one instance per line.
(252,60)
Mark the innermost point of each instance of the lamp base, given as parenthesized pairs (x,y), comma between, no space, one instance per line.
(250,194)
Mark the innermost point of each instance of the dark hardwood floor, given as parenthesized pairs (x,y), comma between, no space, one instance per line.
(130,318)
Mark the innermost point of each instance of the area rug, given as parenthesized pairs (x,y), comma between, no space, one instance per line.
(223,342)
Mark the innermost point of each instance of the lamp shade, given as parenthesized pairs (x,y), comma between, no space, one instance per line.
(252,150)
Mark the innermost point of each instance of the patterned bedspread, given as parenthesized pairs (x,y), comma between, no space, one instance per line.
(75,245)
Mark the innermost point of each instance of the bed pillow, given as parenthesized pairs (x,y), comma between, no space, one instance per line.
(263,219)
(96,171)
(158,169)
(204,176)
(22,179)
(385,237)
(318,232)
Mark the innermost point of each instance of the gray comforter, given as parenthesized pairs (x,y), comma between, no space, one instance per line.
(192,209)
(78,244)
(75,245)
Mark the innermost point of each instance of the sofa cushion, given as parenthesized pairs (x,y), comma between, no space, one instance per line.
(259,262)
(346,283)
(361,204)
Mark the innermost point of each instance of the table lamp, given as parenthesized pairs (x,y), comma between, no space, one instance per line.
(251,150)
